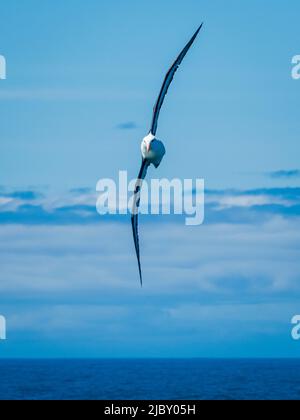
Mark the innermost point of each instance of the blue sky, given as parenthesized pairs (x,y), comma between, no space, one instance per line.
(82,78)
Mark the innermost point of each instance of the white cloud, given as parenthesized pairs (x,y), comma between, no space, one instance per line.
(206,285)
(247,200)
(229,260)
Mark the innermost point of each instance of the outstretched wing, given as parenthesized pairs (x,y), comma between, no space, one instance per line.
(168,80)
(135,212)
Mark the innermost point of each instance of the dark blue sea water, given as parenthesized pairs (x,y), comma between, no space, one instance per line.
(149,379)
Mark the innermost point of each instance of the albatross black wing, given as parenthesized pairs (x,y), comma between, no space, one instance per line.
(135,212)
(168,80)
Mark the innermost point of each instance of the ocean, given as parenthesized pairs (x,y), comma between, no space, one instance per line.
(193,379)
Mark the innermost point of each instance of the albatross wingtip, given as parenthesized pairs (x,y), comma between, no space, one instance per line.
(197,32)
(141,278)
(200,27)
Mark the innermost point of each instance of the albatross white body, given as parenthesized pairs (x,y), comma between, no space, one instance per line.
(153,150)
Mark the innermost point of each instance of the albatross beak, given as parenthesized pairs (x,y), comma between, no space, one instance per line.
(148,147)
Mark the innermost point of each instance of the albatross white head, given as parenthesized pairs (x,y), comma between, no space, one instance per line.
(153,150)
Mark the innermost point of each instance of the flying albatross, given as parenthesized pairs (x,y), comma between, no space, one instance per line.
(153,149)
